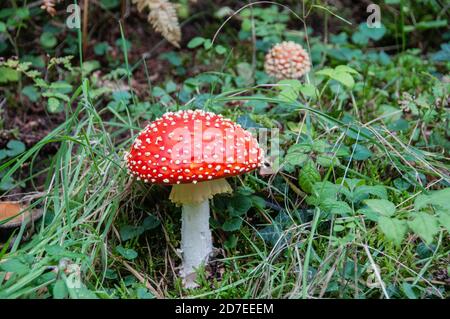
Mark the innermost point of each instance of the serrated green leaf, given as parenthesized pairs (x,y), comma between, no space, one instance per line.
(393,228)
(258,202)
(8,75)
(308,176)
(424,225)
(436,198)
(336,207)
(296,159)
(381,206)
(321,192)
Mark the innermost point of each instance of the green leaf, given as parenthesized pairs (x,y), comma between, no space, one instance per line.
(258,202)
(48,40)
(2,27)
(207,44)
(15,147)
(60,290)
(296,159)
(3,154)
(6,183)
(290,90)
(123,44)
(347,69)
(444,219)
(361,153)
(309,90)
(341,73)
(195,42)
(31,93)
(14,265)
(143,293)
(150,222)
(53,105)
(438,198)
(381,206)
(424,225)
(128,232)
(363,192)
(336,207)
(220,49)
(338,228)
(393,228)
(61,87)
(173,58)
(321,192)
(408,290)
(101,48)
(344,78)
(327,160)
(90,66)
(308,176)
(109,4)
(8,75)
(232,224)
(377,33)
(127,253)
(245,71)
(240,204)
(326,72)
(300,148)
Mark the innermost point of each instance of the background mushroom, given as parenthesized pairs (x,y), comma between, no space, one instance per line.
(194,151)
(287,60)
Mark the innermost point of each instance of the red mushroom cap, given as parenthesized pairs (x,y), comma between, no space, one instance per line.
(190,147)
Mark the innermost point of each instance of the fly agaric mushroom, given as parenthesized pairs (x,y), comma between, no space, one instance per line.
(194,151)
(287,60)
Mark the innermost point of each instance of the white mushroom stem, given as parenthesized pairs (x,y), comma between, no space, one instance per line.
(196,240)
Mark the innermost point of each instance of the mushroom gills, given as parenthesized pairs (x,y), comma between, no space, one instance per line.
(182,194)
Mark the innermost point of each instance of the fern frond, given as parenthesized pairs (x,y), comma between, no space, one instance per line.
(163,18)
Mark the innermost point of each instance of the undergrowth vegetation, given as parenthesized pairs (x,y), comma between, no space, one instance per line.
(354,205)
